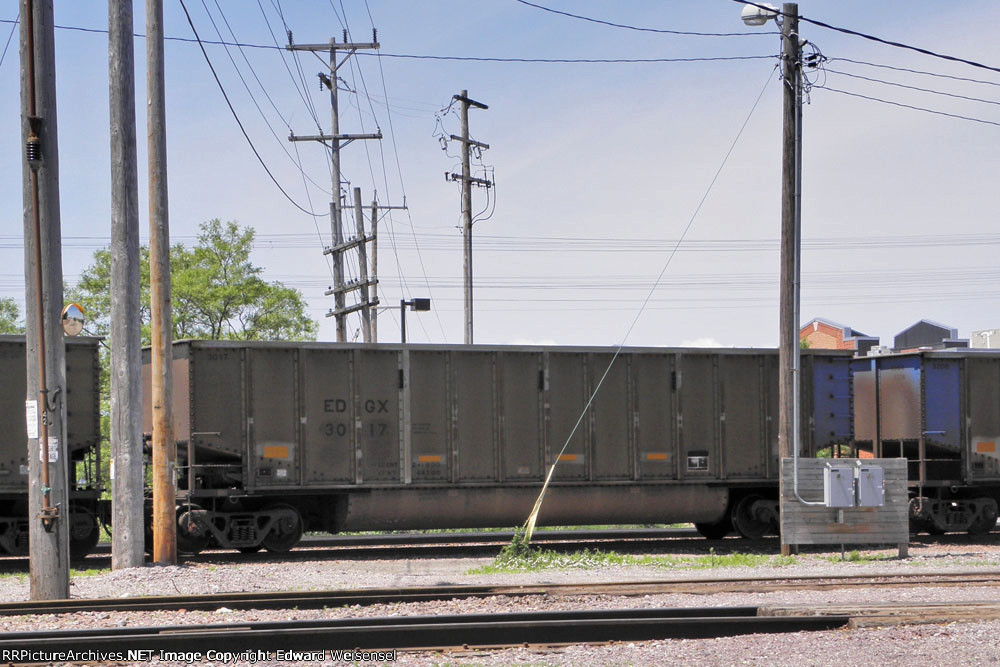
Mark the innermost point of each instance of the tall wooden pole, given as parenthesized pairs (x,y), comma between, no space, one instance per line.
(467,214)
(48,506)
(126,398)
(161,320)
(336,230)
(359,222)
(374,311)
(789,326)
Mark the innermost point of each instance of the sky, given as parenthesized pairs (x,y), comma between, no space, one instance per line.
(628,206)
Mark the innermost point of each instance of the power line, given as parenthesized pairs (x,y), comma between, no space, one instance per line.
(873,38)
(572,60)
(643,29)
(267,122)
(909,106)
(399,172)
(235,116)
(917,88)
(915,71)
(437,57)
(9,37)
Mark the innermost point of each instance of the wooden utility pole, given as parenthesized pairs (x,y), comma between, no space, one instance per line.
(359,221)
(374,328)
(48,505)
(161,320)
(335,141)
(788,352)
(467,181)
(126,364)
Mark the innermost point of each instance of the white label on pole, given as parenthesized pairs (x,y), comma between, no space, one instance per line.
(111,470)
(53,451)
(31,418)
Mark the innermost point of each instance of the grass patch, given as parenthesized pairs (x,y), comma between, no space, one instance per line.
(519,557)
(92,572)
(858,557)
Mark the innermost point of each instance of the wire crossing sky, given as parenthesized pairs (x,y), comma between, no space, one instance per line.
(605,121)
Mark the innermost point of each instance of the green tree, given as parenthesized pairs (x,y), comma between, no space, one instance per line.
(216,292)
(10,316)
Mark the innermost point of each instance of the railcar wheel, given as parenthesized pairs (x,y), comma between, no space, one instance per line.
(192,534)
(715,531)
(986,521)
(285,533)
(83,531)
(746,522)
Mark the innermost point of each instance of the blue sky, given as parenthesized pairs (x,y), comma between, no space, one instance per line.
(599,167)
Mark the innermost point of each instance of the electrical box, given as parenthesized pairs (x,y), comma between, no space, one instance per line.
(871,486)
(838,486)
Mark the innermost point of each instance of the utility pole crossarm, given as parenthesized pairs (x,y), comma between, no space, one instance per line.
(334,137)
(464,99)
(349,46)
(351,286)
(471,142)
(469,179)
(347,245)
(347,310)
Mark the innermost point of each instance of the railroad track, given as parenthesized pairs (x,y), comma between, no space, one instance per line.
(264,640)
(371,596)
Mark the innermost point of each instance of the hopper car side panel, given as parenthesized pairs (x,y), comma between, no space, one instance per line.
(365,437)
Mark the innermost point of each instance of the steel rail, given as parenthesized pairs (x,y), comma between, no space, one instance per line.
(386,633)
(335,598)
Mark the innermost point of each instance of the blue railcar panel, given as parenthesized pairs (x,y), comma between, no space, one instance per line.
(831,408)
(942,403)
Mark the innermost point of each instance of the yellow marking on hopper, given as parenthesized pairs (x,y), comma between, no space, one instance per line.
(656,456)
(568,457)
(276,451)
(984,447)
(429,458)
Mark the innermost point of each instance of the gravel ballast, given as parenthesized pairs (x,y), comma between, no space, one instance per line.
(953,643)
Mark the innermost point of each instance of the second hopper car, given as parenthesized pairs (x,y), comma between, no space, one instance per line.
(82,397)
(277,438)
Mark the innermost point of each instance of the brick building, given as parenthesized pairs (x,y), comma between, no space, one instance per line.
(827,335)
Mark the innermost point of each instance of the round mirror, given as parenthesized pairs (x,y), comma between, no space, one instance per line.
(72,319)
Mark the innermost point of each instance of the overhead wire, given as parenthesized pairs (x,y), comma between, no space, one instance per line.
(908,87)
(13,29)
(641,28)
(873,38)
(232,110)
(914,71)
(530,523)
(399,173)
(908,106)
(253,99)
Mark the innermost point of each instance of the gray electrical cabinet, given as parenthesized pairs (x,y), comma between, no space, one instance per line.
(871,486)
(838,486)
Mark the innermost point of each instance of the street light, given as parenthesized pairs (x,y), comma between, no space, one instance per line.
(414,304)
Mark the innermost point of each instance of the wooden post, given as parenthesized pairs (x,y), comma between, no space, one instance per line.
(375,267)
(467,214)
(789,328)
(161,320)
(48,506)
(359,222)
(126,363)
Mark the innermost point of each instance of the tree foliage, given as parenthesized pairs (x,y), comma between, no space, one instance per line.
(216,291)
(10,317)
